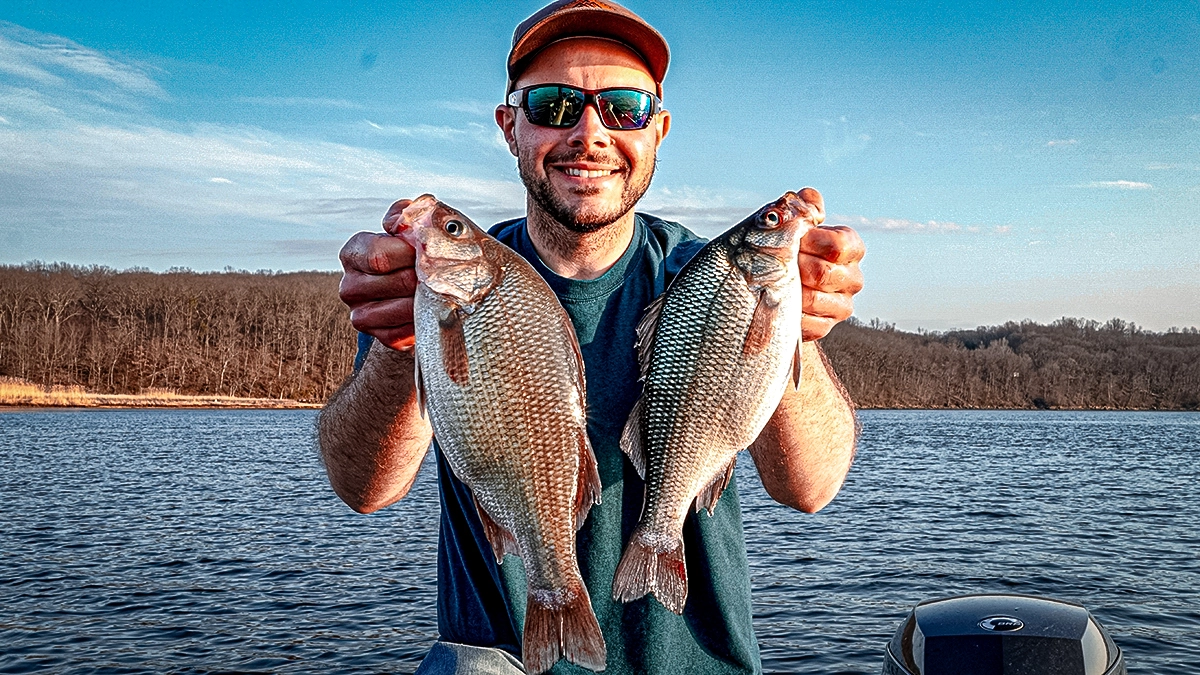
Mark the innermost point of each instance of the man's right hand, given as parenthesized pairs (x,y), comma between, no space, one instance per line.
(378,283)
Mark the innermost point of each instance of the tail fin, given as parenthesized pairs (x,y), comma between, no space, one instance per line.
(554,629)
(645,568)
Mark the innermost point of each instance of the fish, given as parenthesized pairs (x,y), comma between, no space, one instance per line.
(500,375)
(717,351)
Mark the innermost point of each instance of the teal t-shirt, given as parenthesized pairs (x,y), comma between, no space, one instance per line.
(483,604)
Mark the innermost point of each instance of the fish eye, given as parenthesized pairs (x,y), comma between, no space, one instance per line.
(455,227)
(770,219)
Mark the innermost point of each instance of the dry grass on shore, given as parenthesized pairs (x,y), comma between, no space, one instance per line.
(23,393)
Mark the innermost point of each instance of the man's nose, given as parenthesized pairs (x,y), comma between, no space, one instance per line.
(589,131)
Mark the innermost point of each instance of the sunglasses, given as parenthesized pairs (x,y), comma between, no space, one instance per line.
(561,106)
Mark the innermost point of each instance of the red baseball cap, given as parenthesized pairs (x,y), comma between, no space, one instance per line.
(588,18)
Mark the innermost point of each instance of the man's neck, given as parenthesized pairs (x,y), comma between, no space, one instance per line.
(576,255)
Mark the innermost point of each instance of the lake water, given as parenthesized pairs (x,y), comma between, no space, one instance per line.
(145,541)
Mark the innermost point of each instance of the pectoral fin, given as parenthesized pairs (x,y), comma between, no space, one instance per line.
(419,385)
(797,364)
(454,348)
(762,325)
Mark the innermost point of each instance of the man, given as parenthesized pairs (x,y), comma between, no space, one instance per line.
(584,168)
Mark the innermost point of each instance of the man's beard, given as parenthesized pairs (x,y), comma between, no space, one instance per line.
(582,222)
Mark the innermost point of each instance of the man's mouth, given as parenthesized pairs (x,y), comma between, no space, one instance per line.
(587,173)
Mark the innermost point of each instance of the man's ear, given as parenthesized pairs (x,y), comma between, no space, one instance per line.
(663,122)
(506,119)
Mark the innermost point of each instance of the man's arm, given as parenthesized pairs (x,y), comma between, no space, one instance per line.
(371,435)
(805,450)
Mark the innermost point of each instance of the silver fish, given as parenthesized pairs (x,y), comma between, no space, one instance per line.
(717,352)
(501,375)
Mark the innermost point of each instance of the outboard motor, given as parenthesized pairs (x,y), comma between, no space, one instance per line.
(1002,635)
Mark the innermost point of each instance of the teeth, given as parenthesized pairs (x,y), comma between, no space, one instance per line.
(580,173)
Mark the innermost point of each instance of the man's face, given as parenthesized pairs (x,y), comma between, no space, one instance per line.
(587,176)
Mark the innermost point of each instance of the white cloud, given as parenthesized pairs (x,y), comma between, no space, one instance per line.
(895,224)
(53,60)
(1055,144)
(89,176)
(299,101)
(1118,185)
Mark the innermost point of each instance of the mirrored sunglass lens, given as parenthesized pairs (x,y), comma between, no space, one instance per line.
(554,106)
(624,109)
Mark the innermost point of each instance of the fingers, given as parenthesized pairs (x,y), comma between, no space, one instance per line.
(358,287)
(401,339)
(816,327)
(382,314)
(821,275)
(389,321)
(837,244)
(372,253)
(391,221)
(816,204)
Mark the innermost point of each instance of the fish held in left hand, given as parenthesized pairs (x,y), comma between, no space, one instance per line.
(500,373)
(717,351)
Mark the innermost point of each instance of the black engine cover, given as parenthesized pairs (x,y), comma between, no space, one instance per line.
(1002,635)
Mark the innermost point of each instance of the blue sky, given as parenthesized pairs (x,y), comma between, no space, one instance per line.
(1002,160)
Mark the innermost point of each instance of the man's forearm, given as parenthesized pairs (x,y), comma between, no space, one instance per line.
(371,434)
(804,452)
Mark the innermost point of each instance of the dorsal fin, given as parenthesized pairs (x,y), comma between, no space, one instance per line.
(646,329)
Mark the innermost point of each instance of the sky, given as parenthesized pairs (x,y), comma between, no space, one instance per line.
(1002,161)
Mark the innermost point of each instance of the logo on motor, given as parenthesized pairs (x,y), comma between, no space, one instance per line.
(1002,624)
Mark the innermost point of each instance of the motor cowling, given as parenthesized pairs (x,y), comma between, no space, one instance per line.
(1002,635)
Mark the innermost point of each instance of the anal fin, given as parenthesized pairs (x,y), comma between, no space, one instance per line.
(631,439)
(707,499)
(587,493)
(503,542)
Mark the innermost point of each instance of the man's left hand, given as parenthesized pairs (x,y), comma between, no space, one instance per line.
(829,271)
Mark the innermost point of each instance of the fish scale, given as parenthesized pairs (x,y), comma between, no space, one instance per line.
(718,350)
(501,376)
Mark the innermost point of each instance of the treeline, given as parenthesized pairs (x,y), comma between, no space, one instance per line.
(277,335)
(235,333)
(1071,363)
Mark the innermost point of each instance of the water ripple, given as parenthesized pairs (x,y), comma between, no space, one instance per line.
(209,541)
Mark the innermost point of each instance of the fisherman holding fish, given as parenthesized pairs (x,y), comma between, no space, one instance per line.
(673,388)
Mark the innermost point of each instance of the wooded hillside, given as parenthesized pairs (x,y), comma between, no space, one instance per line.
(235,333)
(1071,363)
(266,334)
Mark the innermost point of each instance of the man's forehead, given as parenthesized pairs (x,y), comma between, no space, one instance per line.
(584,56)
